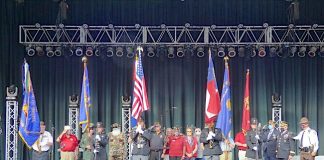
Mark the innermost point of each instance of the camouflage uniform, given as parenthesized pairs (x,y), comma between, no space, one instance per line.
(116,146)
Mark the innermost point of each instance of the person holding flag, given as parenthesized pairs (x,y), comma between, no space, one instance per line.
(85,101)
(29,126)
(240,137)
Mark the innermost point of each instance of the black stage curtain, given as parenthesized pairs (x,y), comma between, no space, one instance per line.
(176,87)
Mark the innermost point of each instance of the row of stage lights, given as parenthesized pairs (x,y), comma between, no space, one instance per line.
(180,51)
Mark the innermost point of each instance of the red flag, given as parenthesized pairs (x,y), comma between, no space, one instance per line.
(212,106)
(246,104)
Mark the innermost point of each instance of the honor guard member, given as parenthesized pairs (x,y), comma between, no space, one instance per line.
(253,141)
(156,142)
(285,143)
(87,143)
(211,138)
(269,137)
(308,140)
(101,140)
(43,144)
(140,138)
(116,143)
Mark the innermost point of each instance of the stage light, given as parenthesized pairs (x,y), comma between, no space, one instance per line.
(231,52)
(79,51)
(180,52)
(292,51)
(30,51)
(119,51)
(89,51)
(221,52)
(265,25)
(302,51)
(110,52)
(312,51)
(130,52)
(241,51)
(272,51)
(284,51)
(276,100)
(252,51)
(262,52)
(150,52)
(58,51)
(40,51)
(85,26)
(73,100)
(12,92)
(200,52)
(97,51)
(321,52)
(49,52)
(171,52)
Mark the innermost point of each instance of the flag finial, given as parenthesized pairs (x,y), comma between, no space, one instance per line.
(84,59)
(226,59)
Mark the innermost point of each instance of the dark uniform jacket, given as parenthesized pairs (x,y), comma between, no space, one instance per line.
(270,142)
(101,146)
(211,147)
(251,142)
(285,145)
(141,143)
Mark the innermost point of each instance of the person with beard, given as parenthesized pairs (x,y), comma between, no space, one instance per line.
(269,137)
(211,138)
(68,144)
(200,150)
(190,146)
(101,141)
(285,143)
(176,142)
(87,143)
(156,142)
(166,146)
(116,143)
(43,144)
(253,141)
(140,141)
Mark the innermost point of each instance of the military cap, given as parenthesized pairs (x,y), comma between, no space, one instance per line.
(100,125)
(115,125)
(254,121)
(303,120)
(283,124)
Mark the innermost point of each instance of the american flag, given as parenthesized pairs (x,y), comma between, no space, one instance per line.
(140,100)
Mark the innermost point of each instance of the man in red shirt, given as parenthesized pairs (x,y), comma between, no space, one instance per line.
(68,144)
(241,144)
(190,146)
(176,143)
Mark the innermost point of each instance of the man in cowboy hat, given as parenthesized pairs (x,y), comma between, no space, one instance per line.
(87,143)
(68,144)
(285,143)
(101,141)
(116,143)
(253,141)
(308,140)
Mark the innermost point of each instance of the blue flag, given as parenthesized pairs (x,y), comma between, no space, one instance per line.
(29,126)
(85,102)
(224,119)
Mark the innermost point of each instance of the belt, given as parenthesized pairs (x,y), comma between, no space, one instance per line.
(156,150)
(242,150)
(305,149)
(39,151)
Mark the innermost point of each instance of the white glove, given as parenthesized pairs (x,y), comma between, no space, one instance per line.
(257,137)
(255,148)
(98,138)
(209,137)
(211,134)
(141,131)
(138,129)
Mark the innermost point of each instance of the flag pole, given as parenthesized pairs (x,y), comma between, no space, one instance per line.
(85,61)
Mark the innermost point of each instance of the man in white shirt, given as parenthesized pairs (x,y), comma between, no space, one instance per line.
(308,140)
(42,146)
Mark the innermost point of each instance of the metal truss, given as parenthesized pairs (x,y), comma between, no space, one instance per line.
(276,116)
(11,129)
(51,35)
(126,128)
(74,121)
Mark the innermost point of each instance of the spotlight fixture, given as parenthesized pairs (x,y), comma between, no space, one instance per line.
(119,51)
(188,51)
(79,51)
(12,92)
(262,52)
(130,52)
(272,51)
(231,52)
(150,52)
(40,51)
(49,52)
(200,52)
(73,100)
(89,51)
(180,52)
(110,51)
(252,51)
(241,51)
(171,52)
(321,52)
(302,51)
(292,51)
(312,51)
(30,51)
(58,51)
(221,52)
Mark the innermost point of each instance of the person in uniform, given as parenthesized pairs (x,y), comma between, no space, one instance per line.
(43,144)
(285,143)
(269,138)
(190,146)
(140,140)
(308,140)
(200,150)
(211,138)
(116,143)
(240,142)
(68,144)
(166,146)
(156,142)
(101,140)
(176,142)
(253,141)
(87,143)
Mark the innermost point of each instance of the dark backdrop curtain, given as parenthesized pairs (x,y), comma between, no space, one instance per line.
(176,87)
